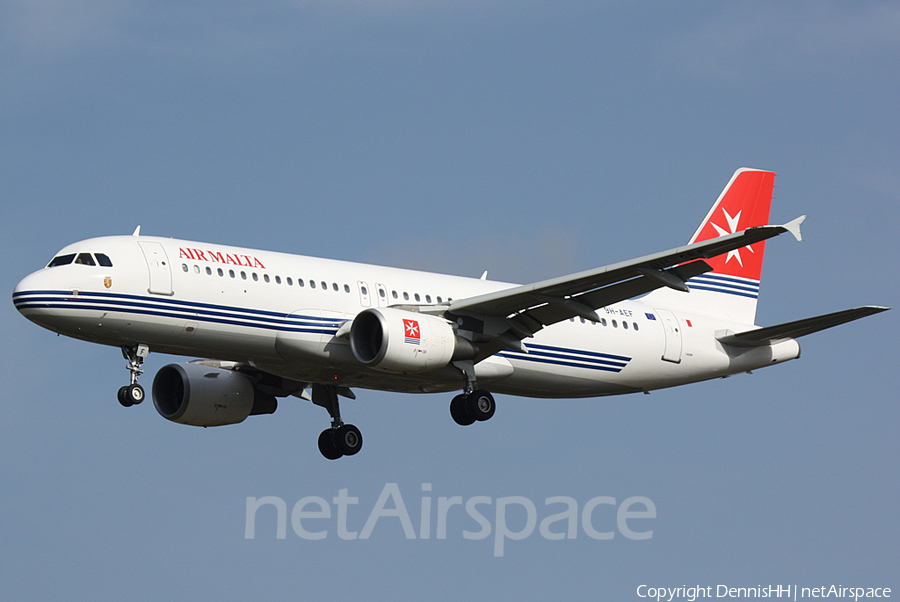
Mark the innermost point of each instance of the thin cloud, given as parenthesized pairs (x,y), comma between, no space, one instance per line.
(52,27)
(47,27)
(756,38)
(522,257)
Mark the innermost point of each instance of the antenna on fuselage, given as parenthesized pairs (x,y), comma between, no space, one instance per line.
(137,231)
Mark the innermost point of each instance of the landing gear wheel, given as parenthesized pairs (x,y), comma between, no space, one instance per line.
(348,439)
(327,445)
(123,397)
(131,395)
(134,393)
(459,412)
(480,405)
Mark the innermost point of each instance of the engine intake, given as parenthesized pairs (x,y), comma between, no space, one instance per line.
(405,342)
(199,395)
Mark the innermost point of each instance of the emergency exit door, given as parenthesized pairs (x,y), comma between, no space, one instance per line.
(672,329)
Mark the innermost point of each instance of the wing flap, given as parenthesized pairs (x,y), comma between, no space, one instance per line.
(791,330)
(552,313)
(530,321)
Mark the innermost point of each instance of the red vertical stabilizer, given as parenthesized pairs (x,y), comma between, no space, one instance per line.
(744,203)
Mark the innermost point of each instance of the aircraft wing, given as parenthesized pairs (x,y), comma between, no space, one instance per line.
(513,314)
(791,330)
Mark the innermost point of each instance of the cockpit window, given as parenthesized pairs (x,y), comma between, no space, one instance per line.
(81,259)
(62,260)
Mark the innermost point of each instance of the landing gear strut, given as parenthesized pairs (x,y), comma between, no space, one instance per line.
(133,394)
(341,439)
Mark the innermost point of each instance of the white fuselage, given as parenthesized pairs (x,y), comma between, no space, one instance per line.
(281,312)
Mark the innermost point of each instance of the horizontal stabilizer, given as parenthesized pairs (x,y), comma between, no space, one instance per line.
(792,330)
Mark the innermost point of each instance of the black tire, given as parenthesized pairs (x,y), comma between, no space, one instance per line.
(123,397)
(327,446)
(480,405)
(459,412)
(135,394)
(348,440)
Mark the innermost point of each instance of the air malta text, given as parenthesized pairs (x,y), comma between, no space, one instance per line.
(247,261)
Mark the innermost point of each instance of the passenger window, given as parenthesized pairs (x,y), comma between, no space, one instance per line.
(61,260)
(208,271)
(86,259)
(103,260)
(635,325)
(406,296)
(615,324)
(417,297)
(347,289)
(335,286)
(184,267)
(196,269)
(231,273)
(243,275)
(221,273)
(324,286)
(394,294)
(625,325)
(382,293)
(364,290)
(255,277)
(312,284)
(266,278)
(300,283)
(439,299)
(290,281)
(277,279)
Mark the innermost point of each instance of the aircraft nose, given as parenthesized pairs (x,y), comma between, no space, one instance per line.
(28,290)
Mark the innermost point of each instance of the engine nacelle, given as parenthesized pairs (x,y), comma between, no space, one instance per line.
(198,395)
(395,340)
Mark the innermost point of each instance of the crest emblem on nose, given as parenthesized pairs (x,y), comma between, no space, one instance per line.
(107,282)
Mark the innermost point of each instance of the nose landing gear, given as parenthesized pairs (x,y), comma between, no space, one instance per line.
(133,394)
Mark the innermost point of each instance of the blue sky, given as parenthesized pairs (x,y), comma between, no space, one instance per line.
(530,139)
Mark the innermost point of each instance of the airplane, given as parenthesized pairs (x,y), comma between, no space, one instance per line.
(273,325)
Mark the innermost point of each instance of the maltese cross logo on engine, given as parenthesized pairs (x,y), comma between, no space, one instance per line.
(411,331)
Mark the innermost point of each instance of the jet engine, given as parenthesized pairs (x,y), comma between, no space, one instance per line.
(405,342)
(199,395)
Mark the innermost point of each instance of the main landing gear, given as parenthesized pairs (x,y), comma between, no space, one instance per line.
(341,439)
(133,394)
(474,404)
(468,408)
